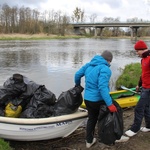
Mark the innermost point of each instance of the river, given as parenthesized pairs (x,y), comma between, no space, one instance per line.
(53,63)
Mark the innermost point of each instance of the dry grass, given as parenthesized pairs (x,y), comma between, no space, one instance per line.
(35,36)
(26,35)
(47,36)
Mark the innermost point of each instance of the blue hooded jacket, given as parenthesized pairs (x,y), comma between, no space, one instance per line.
(97,75)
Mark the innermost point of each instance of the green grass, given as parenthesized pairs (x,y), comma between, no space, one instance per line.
(4,145)
(130,76)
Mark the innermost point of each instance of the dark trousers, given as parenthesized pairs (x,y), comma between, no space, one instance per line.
(93,113)
(142,110)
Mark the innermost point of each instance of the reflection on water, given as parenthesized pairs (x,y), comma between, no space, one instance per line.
(54,62)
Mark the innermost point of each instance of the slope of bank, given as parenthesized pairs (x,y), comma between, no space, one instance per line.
(43,36)
(35,36)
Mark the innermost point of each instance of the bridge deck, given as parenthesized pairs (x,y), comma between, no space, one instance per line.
(136,24)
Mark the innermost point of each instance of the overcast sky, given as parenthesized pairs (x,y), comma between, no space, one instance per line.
(124,9)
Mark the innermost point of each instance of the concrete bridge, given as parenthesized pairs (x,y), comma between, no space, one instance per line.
(133,26)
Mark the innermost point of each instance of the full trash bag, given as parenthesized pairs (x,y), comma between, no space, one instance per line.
(15,85)
(35,100)
(69,101)
(40,105)
(18,90)
(12,88)
(110,125)
(5,97)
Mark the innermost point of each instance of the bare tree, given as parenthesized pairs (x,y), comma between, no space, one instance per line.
(14,19)
(78,15)
(27,20)
(114,30)
(6,13)
(92,18)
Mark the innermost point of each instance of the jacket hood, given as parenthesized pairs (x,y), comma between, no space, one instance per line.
(98,60)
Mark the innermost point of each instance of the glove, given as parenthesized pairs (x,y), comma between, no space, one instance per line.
(79,89)
(112,108)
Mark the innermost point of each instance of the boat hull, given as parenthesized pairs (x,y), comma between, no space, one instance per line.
(40,129)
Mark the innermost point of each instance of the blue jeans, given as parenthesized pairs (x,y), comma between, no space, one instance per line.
(142,110)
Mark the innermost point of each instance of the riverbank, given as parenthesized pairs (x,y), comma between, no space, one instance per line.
(35,36)
(43,36)
(76,141)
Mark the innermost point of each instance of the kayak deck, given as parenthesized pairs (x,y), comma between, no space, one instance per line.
(123,97)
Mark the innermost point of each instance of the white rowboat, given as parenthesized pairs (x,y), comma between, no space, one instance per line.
(24,129)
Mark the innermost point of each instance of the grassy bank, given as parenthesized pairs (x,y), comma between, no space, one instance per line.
(130,76)
(42,36)
(35,36)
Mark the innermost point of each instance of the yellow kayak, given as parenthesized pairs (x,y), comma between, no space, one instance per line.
(124,98)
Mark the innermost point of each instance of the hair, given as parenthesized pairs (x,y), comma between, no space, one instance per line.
(107,55)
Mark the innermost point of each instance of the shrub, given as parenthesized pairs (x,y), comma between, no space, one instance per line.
(130,76)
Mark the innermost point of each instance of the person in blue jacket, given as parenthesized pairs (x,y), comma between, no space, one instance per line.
(97,75)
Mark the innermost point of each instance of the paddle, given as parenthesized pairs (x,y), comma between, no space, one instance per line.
(125,88)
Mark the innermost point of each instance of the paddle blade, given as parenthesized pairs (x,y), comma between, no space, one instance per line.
(125,88)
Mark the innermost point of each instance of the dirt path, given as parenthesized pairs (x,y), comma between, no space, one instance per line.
(76,141)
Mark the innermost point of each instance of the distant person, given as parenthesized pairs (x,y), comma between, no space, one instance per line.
(97,76)
(142,109)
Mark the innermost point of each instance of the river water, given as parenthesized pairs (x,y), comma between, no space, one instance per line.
(53,63)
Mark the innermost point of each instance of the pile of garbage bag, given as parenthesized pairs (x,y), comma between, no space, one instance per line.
(24,98)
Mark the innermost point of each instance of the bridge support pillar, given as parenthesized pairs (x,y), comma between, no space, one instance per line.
(134,33)
(95,31)
(101,31)
(131,33)
(77,30)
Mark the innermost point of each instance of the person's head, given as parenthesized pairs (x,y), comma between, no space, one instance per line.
(107,55)
(140,47)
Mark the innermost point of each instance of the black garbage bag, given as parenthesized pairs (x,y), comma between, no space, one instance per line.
(18,87)
(69,101)
(42,111)
(40,105)
(42,96)
(15,85)
(110,125)
(31,87)
(2,113)
(5,97)
(26,96)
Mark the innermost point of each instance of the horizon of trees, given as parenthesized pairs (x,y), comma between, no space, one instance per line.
(25,20)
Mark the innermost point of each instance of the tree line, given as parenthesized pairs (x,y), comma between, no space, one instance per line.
(25,20)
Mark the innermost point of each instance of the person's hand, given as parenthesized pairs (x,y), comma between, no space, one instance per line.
(137,88)
(79,89)
(112,108)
